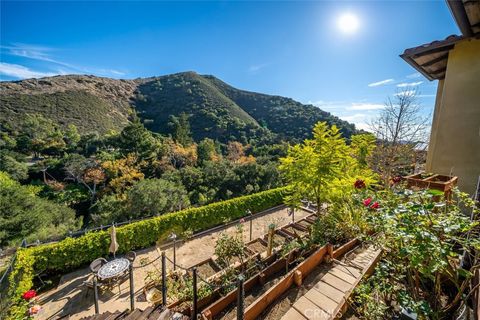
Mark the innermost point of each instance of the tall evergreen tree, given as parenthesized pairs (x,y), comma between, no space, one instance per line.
(181,129)
(136,139)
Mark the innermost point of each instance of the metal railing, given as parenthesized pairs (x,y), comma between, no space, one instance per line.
(5,283)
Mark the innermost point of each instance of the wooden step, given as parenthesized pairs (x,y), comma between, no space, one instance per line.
(133,315)
(145,313)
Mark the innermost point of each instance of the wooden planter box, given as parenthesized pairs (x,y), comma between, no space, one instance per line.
(435,181)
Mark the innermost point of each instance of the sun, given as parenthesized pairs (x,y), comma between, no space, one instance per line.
(348,23)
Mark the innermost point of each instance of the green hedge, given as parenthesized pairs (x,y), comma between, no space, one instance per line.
(73,253)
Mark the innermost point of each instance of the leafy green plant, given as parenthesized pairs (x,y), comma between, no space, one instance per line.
(324,168)
(230,247)
(422,241)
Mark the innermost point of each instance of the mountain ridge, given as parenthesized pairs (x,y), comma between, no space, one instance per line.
(216,109)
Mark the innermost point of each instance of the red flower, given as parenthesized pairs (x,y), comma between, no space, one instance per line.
(30,294)
(367,202)
(359,184)
(397,179)
(375,205)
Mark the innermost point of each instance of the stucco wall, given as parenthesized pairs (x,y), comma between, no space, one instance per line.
(455,138)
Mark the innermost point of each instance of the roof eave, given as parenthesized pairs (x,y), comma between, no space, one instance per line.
(415,65)
(459,14)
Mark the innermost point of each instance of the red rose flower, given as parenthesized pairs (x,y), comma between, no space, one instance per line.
(30,294)
(375,205)
(359,184)
(367,202)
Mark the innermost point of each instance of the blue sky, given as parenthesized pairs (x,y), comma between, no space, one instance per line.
(293,49)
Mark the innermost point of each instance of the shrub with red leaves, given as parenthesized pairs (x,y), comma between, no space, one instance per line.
(359,184)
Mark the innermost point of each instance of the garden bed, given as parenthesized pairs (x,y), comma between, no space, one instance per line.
(255,259)
(295,231)
(257,246)
(432,181)
(305,223)
(208,268)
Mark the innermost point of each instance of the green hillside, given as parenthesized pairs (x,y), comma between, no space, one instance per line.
(212,114)
(284,116)
(93,104)
(216,110)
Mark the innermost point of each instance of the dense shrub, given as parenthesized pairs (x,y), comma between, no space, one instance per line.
(25,215)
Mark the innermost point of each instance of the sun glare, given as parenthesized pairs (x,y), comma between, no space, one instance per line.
(348,23)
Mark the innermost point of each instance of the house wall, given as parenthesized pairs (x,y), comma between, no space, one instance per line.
(455,137)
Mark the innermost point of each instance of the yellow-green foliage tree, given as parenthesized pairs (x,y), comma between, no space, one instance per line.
(325,168)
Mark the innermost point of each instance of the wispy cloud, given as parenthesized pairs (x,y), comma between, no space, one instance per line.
(328,105)
(414,75)
(380,83)
(359,119)
(45,54)
(409,84)
(34,52)
(257,67)
(365,106)
(21,72)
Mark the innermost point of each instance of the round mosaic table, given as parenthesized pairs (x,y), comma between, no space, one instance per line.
(113,268)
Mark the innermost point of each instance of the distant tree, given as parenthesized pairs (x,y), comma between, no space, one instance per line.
(40,135)
(157,196)
(235,151)
(137,140)
(206,151)
(179,156)
(24,215)
(71,136)
(146,198)
(90,143)
(400,129)
(122,173)
(84,171)
(7,141)
(181,129)
(16,169)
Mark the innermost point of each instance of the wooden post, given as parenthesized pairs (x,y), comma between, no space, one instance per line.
(329,257)
(95,293)
(476,295)
(195,294)
(262,278)
(132,289)
(164,279)
(271,233)
(240,293)
(297,278)
(251,223)
(174,253)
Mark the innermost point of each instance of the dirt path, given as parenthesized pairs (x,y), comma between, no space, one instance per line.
(72,298)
